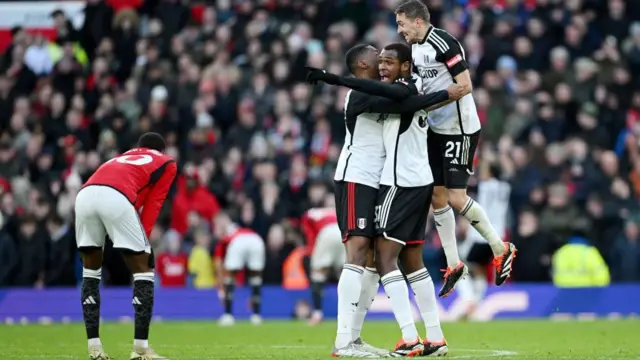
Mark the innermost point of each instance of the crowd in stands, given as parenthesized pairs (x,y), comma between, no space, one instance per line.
(556,83)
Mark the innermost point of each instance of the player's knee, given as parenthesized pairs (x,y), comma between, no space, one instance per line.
(371,263)
(411,260)
(457,198)
(386,256)
(357,248)
(439,198)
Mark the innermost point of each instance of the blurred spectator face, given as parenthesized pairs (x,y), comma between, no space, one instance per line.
(317,194)
(93,160)
(6,153)
(555,155)
(74,120)
(57,104)
(202,238)
(275,238)
(523,46)
(223,34)
(503,29)
(155,27)
(631,231)
(28,228)
(22,106)
(535,28)
(248,213)
(100,66)
(595,208)
(193,220)
(563,93)
(45,161)
(537,196)
(18,123)
(616,8)
(221,223)
(281,71)
(520,157)
(573,35)
(527,224)
(621,76)
(8,204)
(559,59)
(558,196)
(329,200)
(173,242)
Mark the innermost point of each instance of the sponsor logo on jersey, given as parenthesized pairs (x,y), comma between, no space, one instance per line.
(428,73)
(454,60)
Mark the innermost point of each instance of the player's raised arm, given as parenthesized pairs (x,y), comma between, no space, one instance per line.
(394,91)
(412,104)
(157,195)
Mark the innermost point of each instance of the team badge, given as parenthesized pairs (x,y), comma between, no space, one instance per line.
(362,223)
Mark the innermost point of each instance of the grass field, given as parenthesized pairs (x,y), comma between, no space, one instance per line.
(286,340)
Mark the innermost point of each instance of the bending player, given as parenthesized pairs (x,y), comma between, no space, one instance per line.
(405,193)
(109,203)
(454,131)
(320,228)
(238,248)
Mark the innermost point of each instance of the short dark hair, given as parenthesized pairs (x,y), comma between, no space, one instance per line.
(353,55)
(152,140)
(403,51)
(414,9)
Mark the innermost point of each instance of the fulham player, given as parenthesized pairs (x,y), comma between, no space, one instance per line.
(454,130)
(238,249)
(122,199)
(403,199)
(320,228)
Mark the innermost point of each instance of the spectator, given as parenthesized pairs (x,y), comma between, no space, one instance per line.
(191,196)
(201,262)
(61,254)
(171,265)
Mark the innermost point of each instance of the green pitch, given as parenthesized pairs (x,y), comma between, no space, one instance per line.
(288,340)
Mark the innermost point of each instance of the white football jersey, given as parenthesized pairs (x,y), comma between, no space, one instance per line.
(437,60)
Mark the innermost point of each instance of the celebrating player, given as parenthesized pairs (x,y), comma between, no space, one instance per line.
(454,130)
(122,199)
(405,192)
(320,228)
(238,248)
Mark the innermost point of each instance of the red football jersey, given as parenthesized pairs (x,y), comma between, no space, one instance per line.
(144,176)
(314,220)
(223,243)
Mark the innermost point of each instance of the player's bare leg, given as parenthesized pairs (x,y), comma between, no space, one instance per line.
(349,286)
(387,253)
(425,294)
(255,282)
(141,266)
(503,252)
(370,284)
(228,287)
(91,277)
(445,221)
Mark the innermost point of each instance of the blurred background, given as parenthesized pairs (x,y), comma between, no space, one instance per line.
(556,83)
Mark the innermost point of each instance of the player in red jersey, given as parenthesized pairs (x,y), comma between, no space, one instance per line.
(324,242)
(238,248)
(122,199)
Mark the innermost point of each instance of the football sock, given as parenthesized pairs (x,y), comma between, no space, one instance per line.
(480,285)
(368,292)
(90,298)
(425,293)
(478,219)
(318,281)
(229,287)
(446,226)
(349,287)
(143,306)
(256,285)
(398,293)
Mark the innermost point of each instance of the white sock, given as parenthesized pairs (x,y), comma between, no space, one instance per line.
(425,293)
(480,285)
(349,287)
(478,219)
(398,293)
(446,226)
(141,343)
(95,342)
(368,293)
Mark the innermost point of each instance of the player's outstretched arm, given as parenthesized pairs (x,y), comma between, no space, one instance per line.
(395,91)
(410,105)
(156,197)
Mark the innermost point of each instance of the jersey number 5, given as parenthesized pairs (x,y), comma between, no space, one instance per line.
(134,159)
(451,147)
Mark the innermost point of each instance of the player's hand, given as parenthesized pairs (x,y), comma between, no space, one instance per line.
(456,92)
(315,75)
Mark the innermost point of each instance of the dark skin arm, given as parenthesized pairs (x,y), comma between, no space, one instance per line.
(393,91)
(410,105)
